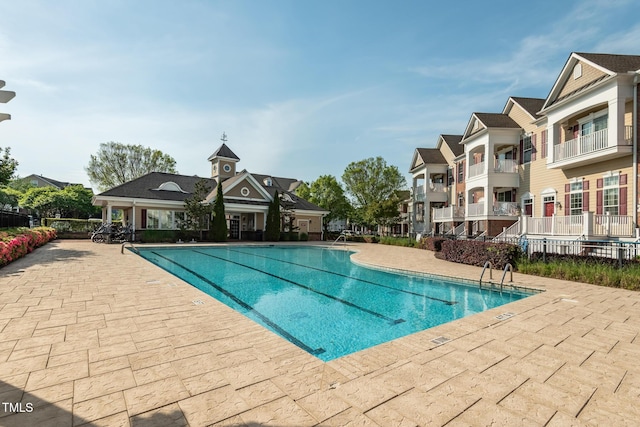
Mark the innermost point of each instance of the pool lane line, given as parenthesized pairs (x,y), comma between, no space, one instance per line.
(349,277)
(248,307)
(284,279)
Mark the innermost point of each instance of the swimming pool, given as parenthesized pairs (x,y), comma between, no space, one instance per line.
(318,299)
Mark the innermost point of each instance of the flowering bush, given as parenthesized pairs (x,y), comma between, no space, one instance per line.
(17,242)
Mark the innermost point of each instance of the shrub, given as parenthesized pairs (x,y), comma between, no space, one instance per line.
(71,224)
(431,243)
(473,252)
(160,236)
(399,241)
(16,243)
(304,237)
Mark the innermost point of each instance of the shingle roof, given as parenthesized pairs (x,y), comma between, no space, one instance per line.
(496,120)
(224,151)
(531,105)
(615,63)
(431,155)
(146,186)
(453,141)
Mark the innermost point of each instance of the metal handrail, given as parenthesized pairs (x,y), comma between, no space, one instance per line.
(504,273)
(132,247)
(488,263)
(344,237)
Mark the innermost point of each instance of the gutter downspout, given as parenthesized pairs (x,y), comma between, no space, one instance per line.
(634,122)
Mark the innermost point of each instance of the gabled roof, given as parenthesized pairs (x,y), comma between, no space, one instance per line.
(147,187)
(453,142)
(609,65)
(423,156)
(614,63)
(530,105)
(225,152)
(52,182)
(488,121)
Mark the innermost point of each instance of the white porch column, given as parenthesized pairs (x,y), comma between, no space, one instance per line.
(109,213)
(616,122)
(587,224)
(553,136)
(133,228)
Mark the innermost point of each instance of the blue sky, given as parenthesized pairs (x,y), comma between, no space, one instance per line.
(301,88)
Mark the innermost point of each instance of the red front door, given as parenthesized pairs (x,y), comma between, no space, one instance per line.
(549,209)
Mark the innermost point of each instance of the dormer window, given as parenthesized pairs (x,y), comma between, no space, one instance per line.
(170,186)
(268,181)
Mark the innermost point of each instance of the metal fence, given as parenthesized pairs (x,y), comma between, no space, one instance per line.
(10,219)
(611,249)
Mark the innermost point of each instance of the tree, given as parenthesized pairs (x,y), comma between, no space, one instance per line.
(7,166)
(117,163)
(73,201)
(219,226)
(9,198)
(197,213)
(327,193)
(373,186)
(272,231)
(287,215)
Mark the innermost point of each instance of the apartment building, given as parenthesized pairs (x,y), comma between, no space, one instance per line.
(565,165)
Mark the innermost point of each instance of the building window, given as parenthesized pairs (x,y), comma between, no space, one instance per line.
(158,219)
(245,191)
(610,200)
(226,168)
(575,200)
(504,196)
(527,149)
(460,172)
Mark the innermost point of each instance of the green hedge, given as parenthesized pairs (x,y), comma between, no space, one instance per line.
(160,236)
(71,224)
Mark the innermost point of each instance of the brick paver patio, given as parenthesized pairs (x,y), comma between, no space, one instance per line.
(92,337)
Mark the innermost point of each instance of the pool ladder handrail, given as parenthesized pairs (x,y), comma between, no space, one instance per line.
(504,273)
(344,237)
(488,263)
(132,247)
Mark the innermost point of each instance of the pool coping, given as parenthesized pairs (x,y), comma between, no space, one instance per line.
(91,336)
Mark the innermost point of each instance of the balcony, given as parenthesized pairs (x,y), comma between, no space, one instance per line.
(476,170)
(450,213)
(505,166)
(587,148)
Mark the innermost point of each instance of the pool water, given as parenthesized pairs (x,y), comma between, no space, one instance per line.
(318,299)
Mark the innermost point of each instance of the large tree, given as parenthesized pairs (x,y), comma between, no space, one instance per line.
(8,165)
(272,229)
(327,193)
(374,186)
(73,201)
(117,163)
(219,226)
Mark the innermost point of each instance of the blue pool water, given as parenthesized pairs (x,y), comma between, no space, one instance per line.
(318,299)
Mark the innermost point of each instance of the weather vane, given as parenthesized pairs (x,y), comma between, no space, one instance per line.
(224,137)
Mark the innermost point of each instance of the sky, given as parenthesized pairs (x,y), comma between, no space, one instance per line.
(301,88)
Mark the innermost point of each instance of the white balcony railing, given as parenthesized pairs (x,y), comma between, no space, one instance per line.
(448,213)
(613,225)
(477,169)
(437,187)
(475,209)
(506,209)
(628,135)
(505,166)
(584,144)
